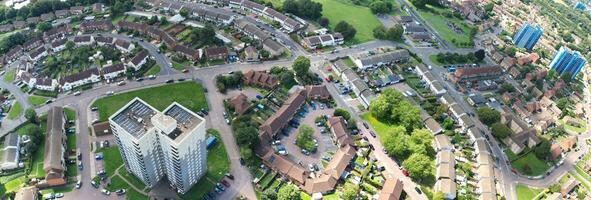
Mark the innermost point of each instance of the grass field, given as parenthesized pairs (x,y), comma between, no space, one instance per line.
(112,159)
(526,193)
(537,166)
(9,76)
(15,184)
(358,16)
(154,70)
(15,111)
(439,23)
(70,114)
(36,100)
(188,94)
(378,126)
(581,129)
(217,165)
(131,178)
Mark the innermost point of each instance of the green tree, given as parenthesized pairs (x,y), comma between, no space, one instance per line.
(419,166)
(395,33)
(306,9)
(408,115)
(488,116)
(393,143)
(346,29)
(350,192)
(43,26)
(380,7)
(511,51)
(305,138)
(479,54)
(247,155)
(342,112)
(31,116)
(380,32)
(301,66)
(500,130)
(269,194)
(506,87)
(247,136)
(289,192)
(438,196)
(542,151)
(184,12)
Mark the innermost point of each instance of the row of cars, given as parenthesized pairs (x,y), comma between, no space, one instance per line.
(220,187)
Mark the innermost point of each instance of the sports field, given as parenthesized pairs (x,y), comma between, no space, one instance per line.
(358,16)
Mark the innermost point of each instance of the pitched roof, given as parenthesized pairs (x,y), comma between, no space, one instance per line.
(112,68)
(338,128)
(79,76)
(391,190)
(240,103)
(313,91)
(284,114)
(137,59)
(54,139)
(215,51)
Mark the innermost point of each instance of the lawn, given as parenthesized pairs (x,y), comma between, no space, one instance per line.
(70,114)
(15,110)
(71,170)
(217,166)
(358,16)
(9,75)
(579,130)
(188,94)
(154,70)
(37,168)
(378,126)
(439,23)
(15,184)
(118,183)
(179,66)
(135,181)
(71,141)
(112,159)
(537,166)
(526,193)
(37,100)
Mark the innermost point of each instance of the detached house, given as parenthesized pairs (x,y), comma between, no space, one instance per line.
(139,60)
(124,46)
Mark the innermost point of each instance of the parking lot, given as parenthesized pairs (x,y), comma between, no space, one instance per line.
(325,143)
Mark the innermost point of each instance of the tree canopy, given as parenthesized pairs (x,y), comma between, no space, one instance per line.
(419,166)
(380,7)
(306,9)
(500,130)
(488,116)
(346,29)
(288,192)
(305,138)
(392,108)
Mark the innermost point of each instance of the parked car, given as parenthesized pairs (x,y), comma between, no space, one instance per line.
(120,192)
(106,192)
(94,108)
(59,195)
(372,134)
(78,184)
(225,183)
(77,93)
(230,176)
(169,81)
(365,125)
(80,167)
(94,184)
(121,83)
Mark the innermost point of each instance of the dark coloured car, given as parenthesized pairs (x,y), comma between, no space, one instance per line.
(372,134)
(169,81)
(365,125)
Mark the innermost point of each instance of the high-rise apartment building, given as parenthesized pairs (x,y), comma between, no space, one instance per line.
(527,36)
(567,61)
(154,144)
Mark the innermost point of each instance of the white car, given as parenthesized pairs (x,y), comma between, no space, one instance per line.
(109,93)
(78,184)
(59,195)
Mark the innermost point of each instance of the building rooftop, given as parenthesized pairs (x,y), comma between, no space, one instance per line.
(135,117)
(185,120)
